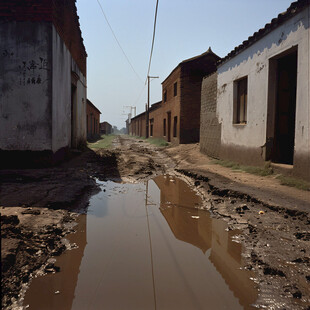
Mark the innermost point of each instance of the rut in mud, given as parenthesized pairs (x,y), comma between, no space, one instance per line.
(275,238)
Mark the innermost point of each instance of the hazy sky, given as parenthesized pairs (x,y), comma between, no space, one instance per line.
(185,28)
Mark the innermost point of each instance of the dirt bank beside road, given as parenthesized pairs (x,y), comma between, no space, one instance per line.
(40,207)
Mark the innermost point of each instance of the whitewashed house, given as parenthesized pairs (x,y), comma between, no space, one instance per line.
(263,94)
(42,77)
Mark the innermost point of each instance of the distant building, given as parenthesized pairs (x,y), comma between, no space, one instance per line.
(181,98)
(43,76)
(105,128)
(177,117)
(137,126)
(92,121)
(260,109)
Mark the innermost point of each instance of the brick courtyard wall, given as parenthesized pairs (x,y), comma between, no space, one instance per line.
(92,121)
(210,128)
(192,75)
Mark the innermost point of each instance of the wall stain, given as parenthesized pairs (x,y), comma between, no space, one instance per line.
(30,71)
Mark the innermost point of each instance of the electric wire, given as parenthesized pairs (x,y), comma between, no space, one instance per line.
(140,94)
(133,69)
(150,243)
(154,31)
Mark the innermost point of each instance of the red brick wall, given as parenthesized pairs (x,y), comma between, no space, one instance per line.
(157,116)
(184,107)
(105,128)
(92,121)
(172,105)
(192,75)
(62,13)
(137,126)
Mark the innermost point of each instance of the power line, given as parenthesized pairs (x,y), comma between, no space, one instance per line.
(140,94)
(118,42)
(154,30)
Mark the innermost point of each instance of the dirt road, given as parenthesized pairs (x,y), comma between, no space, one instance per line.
(39,207)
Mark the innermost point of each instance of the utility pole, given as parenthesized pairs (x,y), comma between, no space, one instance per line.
(132,108)
(148,103)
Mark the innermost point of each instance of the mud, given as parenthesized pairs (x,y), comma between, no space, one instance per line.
(147,245)
(274,222)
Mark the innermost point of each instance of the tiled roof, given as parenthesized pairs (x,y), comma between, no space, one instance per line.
(208,52)
(294,9)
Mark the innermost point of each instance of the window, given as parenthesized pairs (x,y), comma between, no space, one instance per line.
(175,89)
(165,130)
(240,101)
(175,123)
(165,95)
(151,127)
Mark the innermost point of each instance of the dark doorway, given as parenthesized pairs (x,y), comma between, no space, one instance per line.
(284,133)
(169,126)
(73,116)
(175,124)
(165,130)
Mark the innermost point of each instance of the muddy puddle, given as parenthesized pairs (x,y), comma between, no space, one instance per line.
(147,246)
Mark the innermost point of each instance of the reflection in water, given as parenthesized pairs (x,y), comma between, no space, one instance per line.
(145,241)
(43,293)
(178,204)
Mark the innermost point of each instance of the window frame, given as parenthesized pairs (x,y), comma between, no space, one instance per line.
(165,95)
(175,89)
(240,104)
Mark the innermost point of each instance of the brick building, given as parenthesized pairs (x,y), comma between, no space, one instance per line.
(92,121)
(43,76)
(105,128)
(181,98)
(177,117)
(137,126)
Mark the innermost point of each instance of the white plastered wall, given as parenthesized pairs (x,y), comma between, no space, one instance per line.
(25,86)
(253,62)
(63,67)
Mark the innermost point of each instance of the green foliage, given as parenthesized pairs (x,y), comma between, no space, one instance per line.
(267,170)
(292,182)
(157,141)
(104,143)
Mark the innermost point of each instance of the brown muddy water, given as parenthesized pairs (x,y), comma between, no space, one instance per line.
(147,246)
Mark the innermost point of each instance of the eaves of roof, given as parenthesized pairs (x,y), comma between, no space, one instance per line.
(208,52)
(294,9)
(137,116)
(92,105)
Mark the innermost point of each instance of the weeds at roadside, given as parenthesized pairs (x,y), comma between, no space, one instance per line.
(104,143)
(267,170)
(292,182)
(157,141)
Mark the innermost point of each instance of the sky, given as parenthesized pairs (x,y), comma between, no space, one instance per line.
(185,28)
